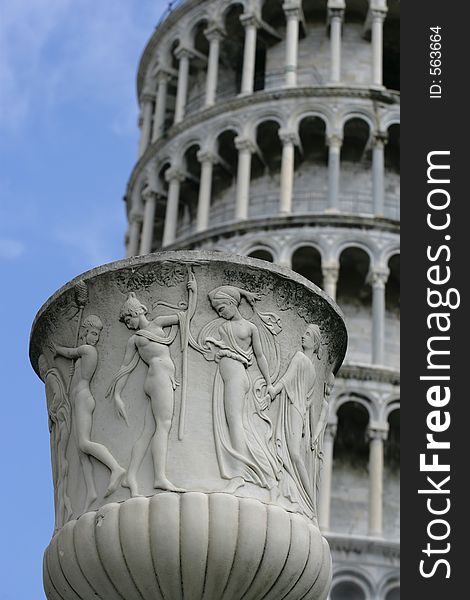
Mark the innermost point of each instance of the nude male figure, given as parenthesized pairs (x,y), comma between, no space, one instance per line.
(83,406)
(151,345)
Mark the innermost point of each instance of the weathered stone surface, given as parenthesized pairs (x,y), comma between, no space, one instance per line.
(187,396)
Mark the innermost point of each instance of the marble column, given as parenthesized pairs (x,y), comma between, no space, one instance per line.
(378,279)
(324,499)
(289,139)
(334,150)
(377,17)
(330,273)
(251,24)
(214,34)
(285,257)
(376,437)
(147,101)
(150,202)
(380,140)
(245,147)
(163,78)
(207,160)
(335,16)
(183,55)
(135,225)
(175,177)
(293,11)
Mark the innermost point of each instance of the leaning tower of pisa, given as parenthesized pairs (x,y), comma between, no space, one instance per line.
(270,128)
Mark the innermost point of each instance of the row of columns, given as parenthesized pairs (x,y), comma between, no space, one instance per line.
(289,139)
(376,17)
(246,148)
(376,435)
(175,176)
(154,105)
(377,278)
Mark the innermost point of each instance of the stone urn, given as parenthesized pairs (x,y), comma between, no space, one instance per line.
(187,395)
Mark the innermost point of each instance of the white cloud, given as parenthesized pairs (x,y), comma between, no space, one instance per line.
(55,51)
(11,249)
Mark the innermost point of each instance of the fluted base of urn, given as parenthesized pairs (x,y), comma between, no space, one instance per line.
(189,546)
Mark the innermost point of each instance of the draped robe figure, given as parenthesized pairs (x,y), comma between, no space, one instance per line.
(295,390)
(242,432)
(60,410)
(292,424)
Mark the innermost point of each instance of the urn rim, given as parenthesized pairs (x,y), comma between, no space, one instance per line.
(195,256)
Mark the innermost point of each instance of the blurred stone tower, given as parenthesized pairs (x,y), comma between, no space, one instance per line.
(271,129)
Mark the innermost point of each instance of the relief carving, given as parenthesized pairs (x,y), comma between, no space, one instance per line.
(295,419)
(318,432)
(85,357)
(150,344)
(59,410)
(168,274)
(243,433)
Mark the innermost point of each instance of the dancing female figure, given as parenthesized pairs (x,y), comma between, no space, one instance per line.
(234,343)
(295,389)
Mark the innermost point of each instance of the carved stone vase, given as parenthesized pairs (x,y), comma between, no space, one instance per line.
(187,395)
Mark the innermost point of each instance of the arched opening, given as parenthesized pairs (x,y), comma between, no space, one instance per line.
(224,178)
(172,87)
(262,254)
(354,265)
(393,594)
(231,53)
(273,14)
(189,191)
(392,149)
(313,54)
(392,312)
(391,479)
(349,496)
(306,261)
(310,181)
(201,43)
(314,11)
(312,132)
(356,134)
(269,144)
(355,49)
(160,209)
(354,295)
(172,60)
(356,11)
(198,68)
(392,289)
(347,590)
(351,446)
(392,172)
(392,444)
(356,178)
(391,46)
(272,41)
(265,170)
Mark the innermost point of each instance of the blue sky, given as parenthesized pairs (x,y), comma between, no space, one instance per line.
(68,141)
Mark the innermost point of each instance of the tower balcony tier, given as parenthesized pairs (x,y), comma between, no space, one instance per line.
(355,259)
(203,52)
(302,151)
